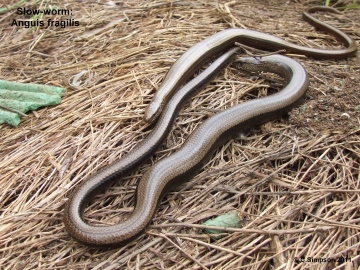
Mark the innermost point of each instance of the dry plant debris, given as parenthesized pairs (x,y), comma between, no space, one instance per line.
(294,182)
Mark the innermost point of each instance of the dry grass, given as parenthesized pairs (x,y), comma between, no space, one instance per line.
(295,182)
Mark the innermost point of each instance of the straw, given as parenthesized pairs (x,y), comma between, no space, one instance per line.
(294,181)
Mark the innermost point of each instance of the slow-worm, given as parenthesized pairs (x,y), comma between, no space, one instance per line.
(208,136)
